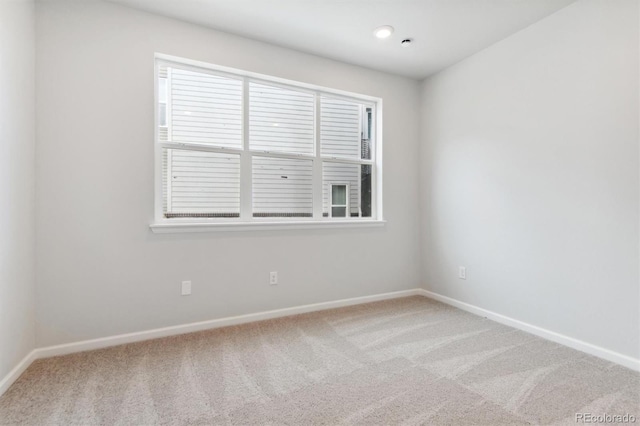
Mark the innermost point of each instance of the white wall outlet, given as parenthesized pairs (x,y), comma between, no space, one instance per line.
(462,272)
(186,288)
(273,277)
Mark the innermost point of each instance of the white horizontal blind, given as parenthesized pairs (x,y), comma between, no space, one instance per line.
(341,173)
(281,120)
(340,128)
(282,187)
(205,108)
(200,183)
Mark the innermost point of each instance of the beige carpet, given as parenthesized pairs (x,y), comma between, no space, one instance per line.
(406,361)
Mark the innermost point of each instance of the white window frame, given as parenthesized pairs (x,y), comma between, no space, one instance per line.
(246,221)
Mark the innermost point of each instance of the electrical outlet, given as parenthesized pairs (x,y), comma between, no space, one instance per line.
(186,288)
(273,277)
(462,272)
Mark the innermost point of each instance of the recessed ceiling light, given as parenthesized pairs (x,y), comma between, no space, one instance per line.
(383,31)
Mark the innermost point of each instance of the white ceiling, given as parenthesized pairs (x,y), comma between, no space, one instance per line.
(444,31)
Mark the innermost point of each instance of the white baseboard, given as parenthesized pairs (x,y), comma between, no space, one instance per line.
(121,339)
(589,348)
(87,345)
(13,375)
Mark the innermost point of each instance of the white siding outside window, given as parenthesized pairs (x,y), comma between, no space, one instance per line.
(281,120)
(341,128)
(202,183)
(205,109)
(282,187)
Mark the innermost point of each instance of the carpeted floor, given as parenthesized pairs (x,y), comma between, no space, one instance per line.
(405,361)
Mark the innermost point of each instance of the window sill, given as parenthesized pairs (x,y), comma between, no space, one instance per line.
(173,228)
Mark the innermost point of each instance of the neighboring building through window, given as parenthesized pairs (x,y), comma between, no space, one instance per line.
(236,147)
(339,200)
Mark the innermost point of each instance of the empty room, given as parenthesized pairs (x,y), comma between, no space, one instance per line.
(314,212)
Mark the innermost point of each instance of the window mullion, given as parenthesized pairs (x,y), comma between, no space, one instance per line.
(317,165)
(184,146)
(246,194)
(347,160)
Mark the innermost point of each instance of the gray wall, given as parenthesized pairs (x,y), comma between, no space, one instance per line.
(100,270)
(17,184)
(530,176)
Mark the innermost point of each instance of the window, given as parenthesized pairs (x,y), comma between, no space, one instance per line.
(236,147)
(339,200)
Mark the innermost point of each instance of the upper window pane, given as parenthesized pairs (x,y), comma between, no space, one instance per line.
(344,129)
(205,109)
(281,120)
